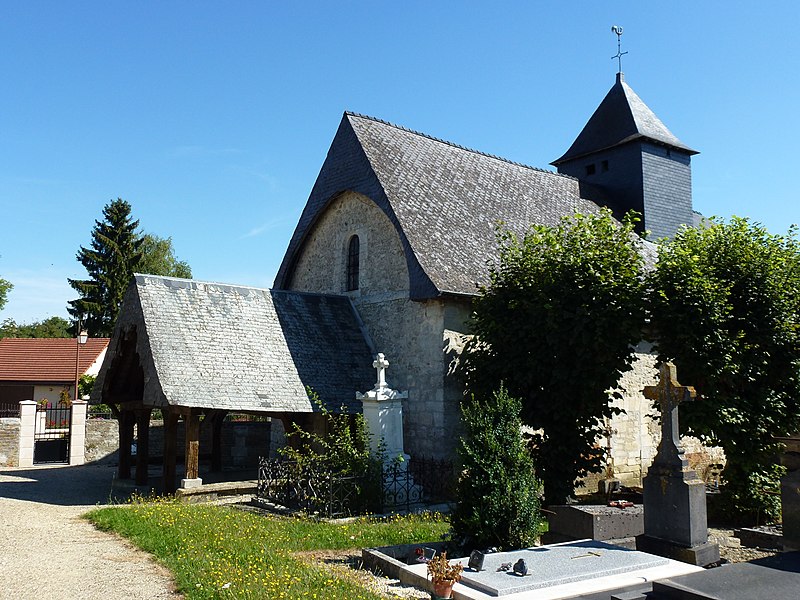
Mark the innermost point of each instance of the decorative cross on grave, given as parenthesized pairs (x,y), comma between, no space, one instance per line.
(380,363)
(669,394)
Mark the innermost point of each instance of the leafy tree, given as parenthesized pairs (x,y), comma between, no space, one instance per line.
(557,324)
(114,256)
(726,307)
(158,258)
(5,287)
(52,327)
(498,493)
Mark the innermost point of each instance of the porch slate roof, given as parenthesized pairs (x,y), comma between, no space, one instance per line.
(212,345)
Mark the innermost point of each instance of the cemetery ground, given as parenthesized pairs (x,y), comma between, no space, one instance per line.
(194,551)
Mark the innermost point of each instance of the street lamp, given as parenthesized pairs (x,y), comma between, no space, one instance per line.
(81,339)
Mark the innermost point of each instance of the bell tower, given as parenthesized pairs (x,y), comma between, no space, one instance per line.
(630,160)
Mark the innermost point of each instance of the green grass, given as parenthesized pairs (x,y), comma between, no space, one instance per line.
(220,552)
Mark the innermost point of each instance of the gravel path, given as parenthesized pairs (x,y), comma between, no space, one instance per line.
(48,551)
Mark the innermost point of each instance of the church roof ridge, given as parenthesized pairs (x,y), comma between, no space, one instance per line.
(454,144)
(180,282)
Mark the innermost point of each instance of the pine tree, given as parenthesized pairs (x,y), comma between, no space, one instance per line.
(114,256)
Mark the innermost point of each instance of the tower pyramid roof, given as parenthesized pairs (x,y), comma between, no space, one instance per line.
(622,117)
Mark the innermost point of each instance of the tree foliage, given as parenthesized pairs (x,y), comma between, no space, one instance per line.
(52,327)
(498,493)
(118,251)
(158,258)
(5,288)
(725,303)
(556,324)
(114,255)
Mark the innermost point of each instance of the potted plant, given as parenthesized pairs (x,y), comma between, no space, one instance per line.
(443,575)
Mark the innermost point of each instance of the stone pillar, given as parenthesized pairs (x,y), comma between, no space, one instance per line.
(192,458)
(170,450)
(142,444)
(27,428)
(77,433)
(675,522)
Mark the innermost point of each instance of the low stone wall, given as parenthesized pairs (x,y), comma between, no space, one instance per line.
(102,440)
(242,441)
(9,442)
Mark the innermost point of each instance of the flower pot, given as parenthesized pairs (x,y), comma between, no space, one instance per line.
(443,589)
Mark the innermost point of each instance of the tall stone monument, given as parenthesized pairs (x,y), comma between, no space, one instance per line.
(383,412)
(675,521)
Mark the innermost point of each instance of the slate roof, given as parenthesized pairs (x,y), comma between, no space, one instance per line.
(444,200)
(46,360)
(622,117)
(212,345)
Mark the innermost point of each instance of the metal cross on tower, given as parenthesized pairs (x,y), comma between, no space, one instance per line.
(618,30)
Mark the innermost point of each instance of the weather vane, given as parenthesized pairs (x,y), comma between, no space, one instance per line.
(618,30)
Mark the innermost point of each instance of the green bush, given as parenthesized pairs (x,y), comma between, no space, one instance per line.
(344,451)
(498,493)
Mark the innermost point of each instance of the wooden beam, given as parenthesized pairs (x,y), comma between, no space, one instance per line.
(170,449)
(126,421)
(143,444)
(192,421)
(217,420)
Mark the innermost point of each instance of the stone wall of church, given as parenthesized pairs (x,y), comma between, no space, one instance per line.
(636,433)
(413,335)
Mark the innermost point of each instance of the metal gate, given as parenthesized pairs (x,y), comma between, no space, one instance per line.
(51,433)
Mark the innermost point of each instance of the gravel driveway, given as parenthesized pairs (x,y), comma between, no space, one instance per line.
(48,551)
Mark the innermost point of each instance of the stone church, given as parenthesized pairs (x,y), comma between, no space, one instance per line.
(387,256)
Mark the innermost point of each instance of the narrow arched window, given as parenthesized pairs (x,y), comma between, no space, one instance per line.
(353,249)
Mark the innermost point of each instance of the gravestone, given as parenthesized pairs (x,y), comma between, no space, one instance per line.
(675,522)
(618,526)
(790,493)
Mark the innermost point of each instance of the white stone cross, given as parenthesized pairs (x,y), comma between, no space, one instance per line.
(380,363)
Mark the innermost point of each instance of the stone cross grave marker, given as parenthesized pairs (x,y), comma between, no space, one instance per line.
(670,395)
(675,522)
(380,363)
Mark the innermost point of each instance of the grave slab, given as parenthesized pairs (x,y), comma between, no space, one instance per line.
(773,577)
(555,565)
(557,571)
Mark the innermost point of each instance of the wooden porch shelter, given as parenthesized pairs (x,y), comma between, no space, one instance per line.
(198,350)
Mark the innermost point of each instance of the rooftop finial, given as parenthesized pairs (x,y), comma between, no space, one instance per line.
(618,30)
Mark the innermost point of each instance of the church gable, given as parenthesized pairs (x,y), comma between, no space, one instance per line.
(443,200)
(352,248)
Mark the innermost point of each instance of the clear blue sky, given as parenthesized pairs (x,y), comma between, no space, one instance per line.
(213,119)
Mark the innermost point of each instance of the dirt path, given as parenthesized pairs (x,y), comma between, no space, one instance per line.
(48,551)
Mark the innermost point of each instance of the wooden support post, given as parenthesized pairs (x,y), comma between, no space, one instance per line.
(170,450)
(143,444)
(125,440)
(192,420)
(217,420)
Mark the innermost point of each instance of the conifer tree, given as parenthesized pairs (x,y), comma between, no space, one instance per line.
(114,256)
(498,493)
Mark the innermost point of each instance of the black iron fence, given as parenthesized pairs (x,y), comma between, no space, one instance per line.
(401,486)
(9,410)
